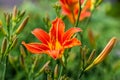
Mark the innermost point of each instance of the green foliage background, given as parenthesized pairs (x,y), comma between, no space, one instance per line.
(104,22)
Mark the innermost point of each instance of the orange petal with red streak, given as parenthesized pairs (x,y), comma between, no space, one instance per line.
(72,42)
(57,29)
(41,35)
(36,47)
(70,33)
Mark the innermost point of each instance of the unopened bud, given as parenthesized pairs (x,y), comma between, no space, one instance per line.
(14,14)
(14,37)
(56,72)
(46,19)
(14,43)
(103,54)
(22,61)
(4,45)
(7,20)
(22,25)
(2,29)
(47,69)
(45,65)
(99,2)
(105,51)
(48,72)
(91,37)
(0,24)
(84,51)
(43,68)
(22,13)
(91,57)
(22,51)
(56,5)
(57,8)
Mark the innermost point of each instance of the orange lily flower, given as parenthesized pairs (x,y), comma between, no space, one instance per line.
(55,42)
(70,8)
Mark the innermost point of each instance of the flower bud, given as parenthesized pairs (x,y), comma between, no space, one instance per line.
(14,14)
(0,24)
(99,2)
(22,13)
(46,19)
(91,37)
(22,62)
(46,64)
(42,69)
(4,45)
(22,51)
(7,20)
(105,51)
(14,43)
(57,8)
(2,29)
(84,51)
(22,25)
(56,72)
(91,56)
(103,54)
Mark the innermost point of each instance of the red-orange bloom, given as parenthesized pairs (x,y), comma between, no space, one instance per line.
(55,42)
(70,8)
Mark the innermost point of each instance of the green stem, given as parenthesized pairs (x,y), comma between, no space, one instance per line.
(7,50)
(81,74)
(4,67)
(4,62)
(4,59)
(77,21)
(61,70)
(30,77)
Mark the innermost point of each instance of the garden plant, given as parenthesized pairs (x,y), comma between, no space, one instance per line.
(61,47)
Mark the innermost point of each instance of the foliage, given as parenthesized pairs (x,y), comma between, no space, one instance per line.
(97,30)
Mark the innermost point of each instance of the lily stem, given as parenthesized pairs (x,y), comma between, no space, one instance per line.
(61,70)
(77,21)
(4,67)
(81,74)
(32,68)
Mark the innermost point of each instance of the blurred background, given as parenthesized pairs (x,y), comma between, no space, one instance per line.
(104,23)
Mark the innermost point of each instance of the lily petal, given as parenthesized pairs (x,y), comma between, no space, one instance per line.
(36,47)
(72,42)
(84,15)
(57,29)
(56,53)
(70,8)
(70,33)
(41,35)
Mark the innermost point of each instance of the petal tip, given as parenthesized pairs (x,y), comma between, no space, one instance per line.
(23,42)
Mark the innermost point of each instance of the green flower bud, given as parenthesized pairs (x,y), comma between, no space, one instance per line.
(4,45)
(22,25)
